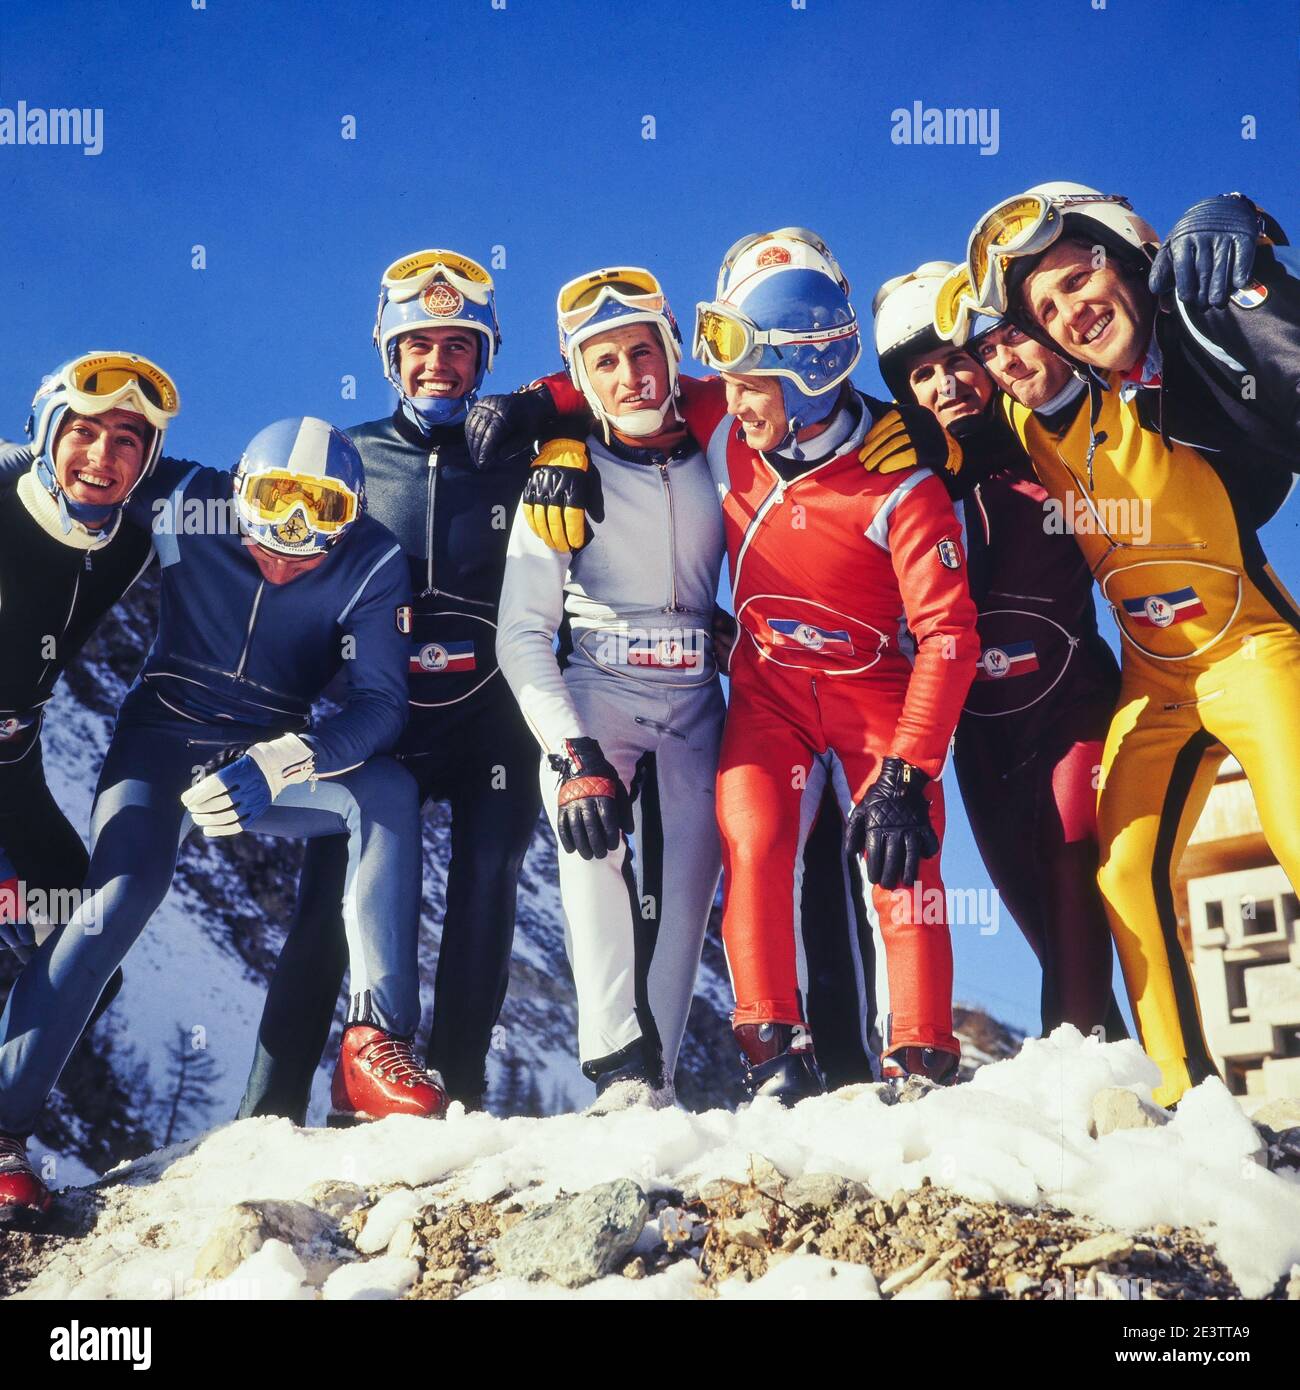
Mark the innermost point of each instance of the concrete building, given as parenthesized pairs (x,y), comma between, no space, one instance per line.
(1240,917)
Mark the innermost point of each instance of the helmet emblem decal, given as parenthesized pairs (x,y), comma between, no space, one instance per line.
(442,300)
(772,255)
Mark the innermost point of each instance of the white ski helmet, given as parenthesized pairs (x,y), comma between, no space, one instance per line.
(1008,240)
(904,312)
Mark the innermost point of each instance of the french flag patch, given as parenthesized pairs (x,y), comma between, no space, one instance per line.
(1013,659)
(667,653)
(433,658)
(789,632)
(1164,610)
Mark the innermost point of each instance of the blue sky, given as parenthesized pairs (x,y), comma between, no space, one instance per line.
(522,128)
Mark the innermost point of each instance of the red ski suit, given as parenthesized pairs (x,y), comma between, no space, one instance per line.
(858,641)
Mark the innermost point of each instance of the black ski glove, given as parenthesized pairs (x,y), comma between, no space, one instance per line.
(1209,253)
(891,827)
(594,805)
(501,430)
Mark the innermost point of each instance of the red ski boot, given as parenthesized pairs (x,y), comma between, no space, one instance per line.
(377,1075)
(23,1196)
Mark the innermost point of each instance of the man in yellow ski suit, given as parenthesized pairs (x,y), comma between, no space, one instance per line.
(1211,639)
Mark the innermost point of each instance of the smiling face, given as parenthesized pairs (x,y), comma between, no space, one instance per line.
(1095,313)
(438,362)
(757,402)
(950,384)
(98,458)
(1026,370)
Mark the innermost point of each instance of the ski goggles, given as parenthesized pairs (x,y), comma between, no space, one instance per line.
(579,300)
(801,234)
(1025,225)
(955,306)
(271,497)
(102,381)
(413,274)
(729,341)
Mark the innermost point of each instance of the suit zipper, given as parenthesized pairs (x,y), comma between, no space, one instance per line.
(431,494)
(672,541)
(772,500)
(248,636)
(72,608)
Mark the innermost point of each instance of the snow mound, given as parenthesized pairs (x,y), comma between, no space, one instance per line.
(1017,1134)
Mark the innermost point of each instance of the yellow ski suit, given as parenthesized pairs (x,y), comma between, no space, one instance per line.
(1211,665)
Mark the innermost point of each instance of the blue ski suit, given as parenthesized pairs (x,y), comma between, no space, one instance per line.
(237,661)
(465,743)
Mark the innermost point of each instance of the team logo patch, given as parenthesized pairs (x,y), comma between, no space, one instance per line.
(789,632)
(1164,610)
(668,653)
(1014,659)
(949,554)
(434,658)
(442,300)
(402,617)
(1251,297)
(773,255)
(293,530)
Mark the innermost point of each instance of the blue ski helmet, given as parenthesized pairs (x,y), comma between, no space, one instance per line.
(299,486)
(93,384)
(782,309)
(436,289)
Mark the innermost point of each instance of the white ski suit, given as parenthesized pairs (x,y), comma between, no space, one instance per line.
(634,609)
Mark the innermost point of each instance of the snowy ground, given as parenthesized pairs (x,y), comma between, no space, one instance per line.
(1016,1134)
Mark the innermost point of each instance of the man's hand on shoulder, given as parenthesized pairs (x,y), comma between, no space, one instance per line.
(904,436)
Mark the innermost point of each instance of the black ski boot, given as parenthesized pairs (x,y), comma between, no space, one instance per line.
(634,1075)
(779,1061)
(923,1069)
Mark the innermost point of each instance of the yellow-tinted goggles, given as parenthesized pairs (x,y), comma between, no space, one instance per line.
(578,300)
(1025,225)
(97,381)
(1020,226)
(728,341)
(405,278)
(720,340)
(330,505)
(953,305)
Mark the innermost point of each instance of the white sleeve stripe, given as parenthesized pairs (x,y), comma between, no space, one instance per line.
(361,588)
(878,531)
(165,542)
(1212,348)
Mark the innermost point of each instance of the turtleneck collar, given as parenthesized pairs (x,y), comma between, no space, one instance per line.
(636,453)
(433,437)
(793,459)
(45,512)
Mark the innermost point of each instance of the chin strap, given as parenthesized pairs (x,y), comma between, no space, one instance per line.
(636,424)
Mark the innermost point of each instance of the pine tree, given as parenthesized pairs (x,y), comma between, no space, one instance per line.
(193,1071)
(513,1097)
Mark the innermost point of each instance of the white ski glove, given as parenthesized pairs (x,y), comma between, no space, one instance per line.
(232,798)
